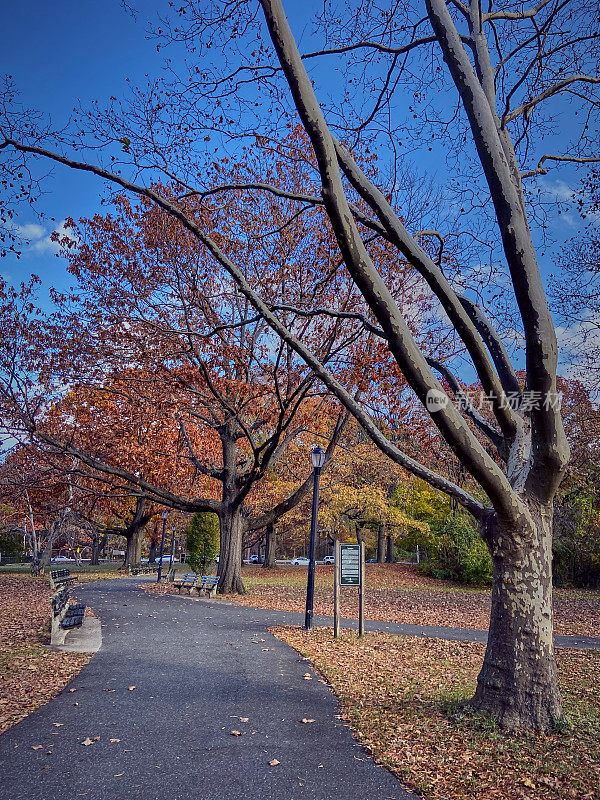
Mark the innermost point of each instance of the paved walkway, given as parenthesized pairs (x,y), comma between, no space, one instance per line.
(270,617)
(199,669)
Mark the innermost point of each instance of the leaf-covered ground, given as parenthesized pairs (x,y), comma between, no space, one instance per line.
(30,674)
(397,593)
(401,695)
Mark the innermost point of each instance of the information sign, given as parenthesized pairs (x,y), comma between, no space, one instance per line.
(350,566)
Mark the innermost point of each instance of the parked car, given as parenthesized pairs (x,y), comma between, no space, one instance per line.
(300,562)
(61,558)
(329,560)
(254,559)
(371,561)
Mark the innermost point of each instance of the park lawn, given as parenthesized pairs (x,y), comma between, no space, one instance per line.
(402,698)
(397,593)
(30,674)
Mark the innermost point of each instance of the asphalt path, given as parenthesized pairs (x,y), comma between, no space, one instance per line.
(159,701)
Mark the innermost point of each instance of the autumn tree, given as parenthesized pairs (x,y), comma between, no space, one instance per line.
(506,69)
(200,403)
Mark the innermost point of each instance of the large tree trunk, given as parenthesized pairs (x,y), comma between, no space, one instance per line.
(95,558)
(133,551)
(389,555)
(230,555)
(381,543)
(518,683)
(46,556)
(152,554)
(270,544)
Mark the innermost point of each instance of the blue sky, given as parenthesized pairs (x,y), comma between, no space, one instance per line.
(57,53)
(63,52)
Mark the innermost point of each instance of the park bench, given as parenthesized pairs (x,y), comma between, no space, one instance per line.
(208,584)
(60,578)
(65,615)
(201,583)
(142,569)
(188,581)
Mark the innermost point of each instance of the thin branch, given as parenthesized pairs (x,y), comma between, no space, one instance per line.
(556,88)
(541,170)
(465,404)
(515,15)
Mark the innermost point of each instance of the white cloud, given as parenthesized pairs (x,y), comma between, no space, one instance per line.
(40,237)
(31,231)
(557,190)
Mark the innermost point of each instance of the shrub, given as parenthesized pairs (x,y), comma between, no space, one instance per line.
(576,545)
(202,540)
(456,552)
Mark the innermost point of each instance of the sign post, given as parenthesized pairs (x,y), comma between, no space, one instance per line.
(336,592)
(361,592)
(349,571)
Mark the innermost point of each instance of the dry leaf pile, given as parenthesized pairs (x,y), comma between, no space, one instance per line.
(401,695)
(397,593)
(30,675)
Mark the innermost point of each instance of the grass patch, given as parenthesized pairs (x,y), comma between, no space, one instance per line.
(404,699)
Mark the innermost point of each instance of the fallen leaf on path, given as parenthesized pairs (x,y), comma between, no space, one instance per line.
(37,747)
(87,742)
(114,740)
(274,762)
(119,775)
(244,719)
(307,721)
(236,733)
(131,688)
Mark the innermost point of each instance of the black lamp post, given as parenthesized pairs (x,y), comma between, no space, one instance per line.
(165,514)
(172,562)
(318,459)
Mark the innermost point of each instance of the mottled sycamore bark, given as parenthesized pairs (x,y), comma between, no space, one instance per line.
(518,683)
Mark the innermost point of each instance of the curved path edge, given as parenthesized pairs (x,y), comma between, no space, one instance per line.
(188,700)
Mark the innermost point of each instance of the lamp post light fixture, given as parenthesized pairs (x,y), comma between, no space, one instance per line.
(318,459)
(165,514)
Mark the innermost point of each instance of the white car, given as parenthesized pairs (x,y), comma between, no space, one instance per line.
(329,560)
(300,562)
